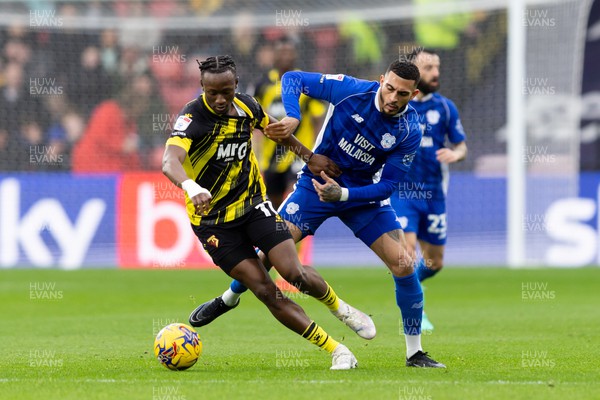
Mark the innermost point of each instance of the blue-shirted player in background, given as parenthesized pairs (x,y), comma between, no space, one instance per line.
(369,125)
(421,200)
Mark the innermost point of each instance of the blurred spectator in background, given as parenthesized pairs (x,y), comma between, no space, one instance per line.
(56,107)
(17,31)
(109,51)
(132,32)
(265,56)
(153,121)
(88,84)
(366,43)
(132,62)
(482,45)
(110,141)
(93,10)
(17,107)
(68,43)
(30,151)
(278,164)
(5,163)
(205,7)
(13,97)
(441,32)
(444,34)
(177,77)
(136,40)
(168,8)
(17,51)
(62,136)
(244,41)
(327,48)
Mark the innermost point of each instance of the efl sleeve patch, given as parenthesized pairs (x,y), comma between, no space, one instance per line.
(338,77)
(182,123)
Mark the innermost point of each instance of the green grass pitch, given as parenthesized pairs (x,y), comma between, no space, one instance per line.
(504,334)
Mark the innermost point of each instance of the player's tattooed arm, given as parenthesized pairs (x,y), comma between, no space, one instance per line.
(331,192)
(395,235)
(328,192)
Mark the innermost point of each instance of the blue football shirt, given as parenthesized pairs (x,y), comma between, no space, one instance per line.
(356,135)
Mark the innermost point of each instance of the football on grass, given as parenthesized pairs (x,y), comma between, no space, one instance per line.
(177,346)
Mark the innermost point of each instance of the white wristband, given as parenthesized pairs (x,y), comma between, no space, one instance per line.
(345,193)
(193,189)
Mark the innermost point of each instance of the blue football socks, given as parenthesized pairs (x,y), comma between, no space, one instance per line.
(237,287)
(409,297)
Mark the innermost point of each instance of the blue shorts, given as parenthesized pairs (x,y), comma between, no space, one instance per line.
(368,221)
(426,218)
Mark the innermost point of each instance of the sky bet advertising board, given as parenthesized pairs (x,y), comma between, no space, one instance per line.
(72,221)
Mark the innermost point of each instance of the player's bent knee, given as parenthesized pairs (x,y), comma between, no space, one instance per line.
(266,292)
(294,275)
(435,260)
(437,263)
(401,268)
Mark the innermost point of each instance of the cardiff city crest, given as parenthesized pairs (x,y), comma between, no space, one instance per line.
(388,140)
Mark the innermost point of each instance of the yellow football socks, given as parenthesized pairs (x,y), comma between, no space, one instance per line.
(315,334)
(330,299)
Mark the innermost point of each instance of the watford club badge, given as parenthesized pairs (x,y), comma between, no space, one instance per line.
(213,241)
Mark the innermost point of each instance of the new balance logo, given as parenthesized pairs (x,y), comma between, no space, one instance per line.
(358,118)
(417,305)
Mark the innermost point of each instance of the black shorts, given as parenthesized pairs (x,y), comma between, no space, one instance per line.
(278,182)
(230,243)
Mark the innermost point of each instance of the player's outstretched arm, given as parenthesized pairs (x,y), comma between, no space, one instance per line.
(331,88)
(172,167)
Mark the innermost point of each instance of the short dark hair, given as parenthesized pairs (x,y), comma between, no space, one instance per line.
(405,70)
(412,56)
(217,65)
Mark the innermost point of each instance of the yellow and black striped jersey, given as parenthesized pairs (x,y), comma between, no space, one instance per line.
(220,157)
(275,157)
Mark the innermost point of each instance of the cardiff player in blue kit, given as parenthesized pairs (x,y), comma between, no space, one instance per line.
(369,128)
(421,200)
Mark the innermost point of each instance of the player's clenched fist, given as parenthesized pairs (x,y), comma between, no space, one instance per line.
(282,129)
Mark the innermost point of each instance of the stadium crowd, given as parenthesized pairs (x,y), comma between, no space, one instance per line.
(83,99)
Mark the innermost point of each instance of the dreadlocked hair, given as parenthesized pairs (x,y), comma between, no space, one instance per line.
(217,65)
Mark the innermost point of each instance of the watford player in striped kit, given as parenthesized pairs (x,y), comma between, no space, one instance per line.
(209,155)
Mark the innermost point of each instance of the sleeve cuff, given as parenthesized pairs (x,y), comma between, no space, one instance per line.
(345,194)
